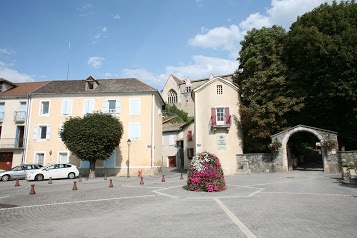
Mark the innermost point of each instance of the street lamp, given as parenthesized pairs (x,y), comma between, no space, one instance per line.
(127,172)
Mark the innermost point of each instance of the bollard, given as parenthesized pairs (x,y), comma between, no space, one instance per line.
(140,173)
(110,183)
(80,178)
(105,177)
(32,191)
(141,181)
(17,184)
(50,180)
(181,176)
(163,178)
(74,186)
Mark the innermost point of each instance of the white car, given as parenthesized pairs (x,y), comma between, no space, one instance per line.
(53,171)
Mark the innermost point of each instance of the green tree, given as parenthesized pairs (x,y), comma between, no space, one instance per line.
(92,137)
(172,110)
(266,95)
(322,62)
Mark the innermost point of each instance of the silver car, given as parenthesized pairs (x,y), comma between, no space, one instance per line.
(18,172)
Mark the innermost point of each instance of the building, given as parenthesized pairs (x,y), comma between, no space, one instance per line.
(137,104)
(14,106)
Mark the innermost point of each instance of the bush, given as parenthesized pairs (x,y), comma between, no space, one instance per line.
(205,174)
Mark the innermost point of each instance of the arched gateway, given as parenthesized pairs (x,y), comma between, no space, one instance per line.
(321,134)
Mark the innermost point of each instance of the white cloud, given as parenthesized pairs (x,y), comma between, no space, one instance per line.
(7,52)
(95,62)
(108,75)
(104,29)
(219,38)
(13,75)
(116,17)
(255,20)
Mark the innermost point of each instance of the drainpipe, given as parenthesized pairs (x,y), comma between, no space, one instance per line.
(152,134)
(27,126)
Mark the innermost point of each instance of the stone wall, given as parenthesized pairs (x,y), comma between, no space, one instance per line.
(258,163)
(347,157)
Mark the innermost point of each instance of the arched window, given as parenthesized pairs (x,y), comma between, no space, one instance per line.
(172,97)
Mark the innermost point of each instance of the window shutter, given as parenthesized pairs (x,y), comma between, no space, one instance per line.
(64,104)
(117,106)
(213,112)
(69,107)
(48,133)
(35,133)
(91,106)
(105,106)
(227,116)
(189,135)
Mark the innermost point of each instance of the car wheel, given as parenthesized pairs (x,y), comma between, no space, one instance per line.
(71,175)
(39,177)
(5,177)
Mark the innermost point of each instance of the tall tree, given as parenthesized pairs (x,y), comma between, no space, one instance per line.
(92,137)
(321,50)
(266,96)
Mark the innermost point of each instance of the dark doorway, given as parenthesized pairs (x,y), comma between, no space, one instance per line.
(172,161)
(304,152)
(5,160)
(20,136)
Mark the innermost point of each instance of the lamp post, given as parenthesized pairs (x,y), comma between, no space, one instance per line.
(127,172)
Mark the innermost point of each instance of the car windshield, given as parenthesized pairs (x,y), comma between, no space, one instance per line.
(17,168)
(47,166)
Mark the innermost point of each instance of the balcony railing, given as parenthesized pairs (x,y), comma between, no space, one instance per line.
(20,116)
(1,116)
(11,143)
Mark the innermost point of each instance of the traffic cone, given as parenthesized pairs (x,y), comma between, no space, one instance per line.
(74,186)
(141,181)
(110,183)
(105,177)
(80,178)
(32,191)
(50,180)
(181,176)
(163,178)
(17,183)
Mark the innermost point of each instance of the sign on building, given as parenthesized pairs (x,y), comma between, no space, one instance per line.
(221,142)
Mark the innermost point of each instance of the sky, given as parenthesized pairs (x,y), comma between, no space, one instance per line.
(44,40)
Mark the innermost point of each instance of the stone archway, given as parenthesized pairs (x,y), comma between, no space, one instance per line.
(321,134)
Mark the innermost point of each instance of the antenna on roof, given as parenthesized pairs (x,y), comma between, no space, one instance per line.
(69,54)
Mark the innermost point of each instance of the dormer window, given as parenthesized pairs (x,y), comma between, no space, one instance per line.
(90,85)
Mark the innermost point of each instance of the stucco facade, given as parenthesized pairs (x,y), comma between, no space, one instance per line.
(217,118)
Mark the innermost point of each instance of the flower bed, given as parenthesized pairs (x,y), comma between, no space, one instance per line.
(205,174)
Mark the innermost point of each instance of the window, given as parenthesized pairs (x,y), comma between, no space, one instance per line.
(219,89)
(172,97)
(189,135)
(2,109)
(63,158)
(88,106)
(190,153)
(66,107)
(134,130)
(135,106)
(111,106)
(40,158)
(45,108)
(42,132)
(171,139)
(90,85)
(20,115)
(220,116)
(188,89)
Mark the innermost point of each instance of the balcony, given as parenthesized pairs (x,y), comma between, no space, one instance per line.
(20,116)
(11,143)
(221,122)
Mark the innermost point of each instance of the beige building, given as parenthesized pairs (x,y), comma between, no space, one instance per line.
(217,130)
(14,101)
(137,105)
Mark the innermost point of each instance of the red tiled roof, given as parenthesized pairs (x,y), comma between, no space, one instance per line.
(24,88)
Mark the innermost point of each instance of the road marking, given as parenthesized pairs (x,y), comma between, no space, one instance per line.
(4,197)
(322,194)
(248,233)
(74,202)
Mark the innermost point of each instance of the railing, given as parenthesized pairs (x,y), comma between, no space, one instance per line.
(11,143)
(20,116)
(1,116)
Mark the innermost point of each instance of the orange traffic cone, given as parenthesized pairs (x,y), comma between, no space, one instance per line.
(141,181)
(74,186)
(181,176)
(32,191)
(17,184)
(50,180)
(163,178)
(110,183)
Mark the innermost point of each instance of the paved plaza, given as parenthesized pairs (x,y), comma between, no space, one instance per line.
(294,204)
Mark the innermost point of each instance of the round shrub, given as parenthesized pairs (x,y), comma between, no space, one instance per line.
(205,174)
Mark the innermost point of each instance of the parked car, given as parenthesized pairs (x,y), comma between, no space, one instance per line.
(18,172)
(53,171)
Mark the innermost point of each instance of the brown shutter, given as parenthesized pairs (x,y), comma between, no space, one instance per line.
(227,116)
(213,117)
